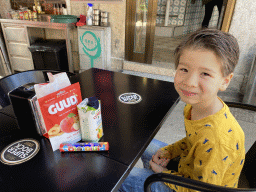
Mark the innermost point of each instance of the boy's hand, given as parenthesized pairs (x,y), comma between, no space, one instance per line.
(160,158)
(156,168)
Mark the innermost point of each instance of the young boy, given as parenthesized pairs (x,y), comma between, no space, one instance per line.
(213,149)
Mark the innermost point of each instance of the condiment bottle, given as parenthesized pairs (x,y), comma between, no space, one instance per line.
(34,7)
(30,15)
(64,9)
(34,15)
(21,13)
(89,14)
(25,13)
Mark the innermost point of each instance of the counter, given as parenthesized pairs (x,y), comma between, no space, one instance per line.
(20,34)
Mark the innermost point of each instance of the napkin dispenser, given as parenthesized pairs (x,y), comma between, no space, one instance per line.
(26,110)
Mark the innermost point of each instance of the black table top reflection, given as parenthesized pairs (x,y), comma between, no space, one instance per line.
(8,110)
(128,128)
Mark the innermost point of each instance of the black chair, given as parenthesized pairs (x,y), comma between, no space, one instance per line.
(16,80)
(247,180)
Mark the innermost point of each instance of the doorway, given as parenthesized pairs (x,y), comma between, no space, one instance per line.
(162,35)
(184,17)
(140,30)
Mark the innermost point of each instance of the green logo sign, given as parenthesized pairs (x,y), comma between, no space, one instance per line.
(91,44)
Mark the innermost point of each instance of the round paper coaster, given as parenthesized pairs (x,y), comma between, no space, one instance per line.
(130,98)
(19,151)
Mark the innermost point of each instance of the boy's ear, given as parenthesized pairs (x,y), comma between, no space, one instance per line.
(226,82)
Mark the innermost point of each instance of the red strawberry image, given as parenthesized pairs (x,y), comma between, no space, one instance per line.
(70,148)
(70,123)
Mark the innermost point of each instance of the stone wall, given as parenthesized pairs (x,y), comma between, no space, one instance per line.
(5,7)
(117,23)
(243,28)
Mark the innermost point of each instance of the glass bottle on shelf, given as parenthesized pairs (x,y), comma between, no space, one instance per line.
(61,9)
(54,9)
(34,13)
(57,9)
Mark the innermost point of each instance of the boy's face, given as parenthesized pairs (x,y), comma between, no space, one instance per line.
(198,77)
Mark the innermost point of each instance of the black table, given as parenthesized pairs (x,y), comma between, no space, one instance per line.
(128,128)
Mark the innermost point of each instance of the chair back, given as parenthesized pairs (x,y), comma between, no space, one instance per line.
(16,80)
(247,177)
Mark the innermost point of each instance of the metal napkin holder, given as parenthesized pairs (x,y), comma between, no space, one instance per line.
(27,110)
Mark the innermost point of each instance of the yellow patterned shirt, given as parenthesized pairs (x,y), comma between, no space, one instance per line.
(212,151)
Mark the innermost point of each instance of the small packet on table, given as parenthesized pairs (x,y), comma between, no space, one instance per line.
(59,109)
(89,111)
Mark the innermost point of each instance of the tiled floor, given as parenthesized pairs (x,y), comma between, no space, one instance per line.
(164,48)
(167,42)
(173,129)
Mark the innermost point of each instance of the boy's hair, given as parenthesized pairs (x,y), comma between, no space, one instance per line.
(224,45)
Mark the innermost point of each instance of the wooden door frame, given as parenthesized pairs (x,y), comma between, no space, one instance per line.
(228,15)
(130,55)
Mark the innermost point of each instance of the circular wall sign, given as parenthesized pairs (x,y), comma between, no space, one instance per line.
(130,98)
(20,151)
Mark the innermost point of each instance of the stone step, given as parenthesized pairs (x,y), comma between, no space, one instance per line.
(149,75)
(157,68)
(168,31)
